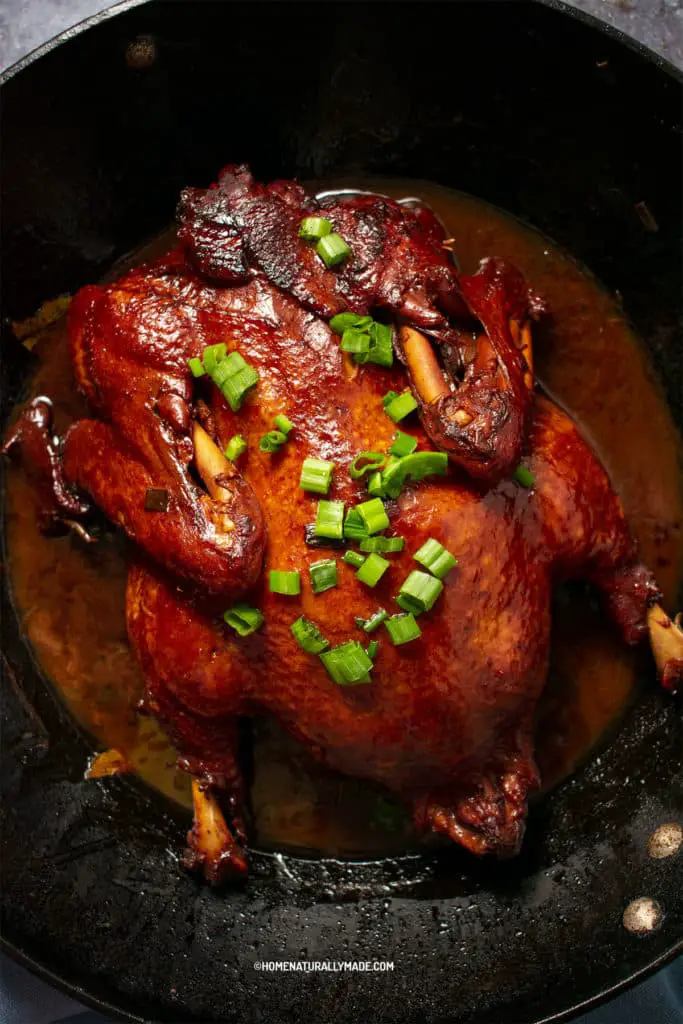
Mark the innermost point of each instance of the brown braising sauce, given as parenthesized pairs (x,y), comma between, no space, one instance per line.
(72,597)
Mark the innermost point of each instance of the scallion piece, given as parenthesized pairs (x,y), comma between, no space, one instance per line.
(283,424)
(402,629)
(314,228)
(375,485)
(354,527)
(235,387)
(308,636)
(355,341)
(213,355)
(243,618)
(316,476)
(320,542)
(350,321)
(435,558)
(353,558)
(372,570)
(403,444)
(236,446)
(381,350)
(272,441)
(284,581)
(329,522)
(197,367)
(348,664)
(371,624)
(389,398)
(374,515)
(524,476)
(418,592)
(332,249)
(413,467)
(401,406)
(323,575)
(366,462)
(372,649)
(384,544)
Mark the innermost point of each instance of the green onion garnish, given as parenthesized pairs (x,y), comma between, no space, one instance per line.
(381,350)
(372,570)
(374,515)
(329,522)
(197,367)
(316,476)
(235,387)
(384,544)
(418,592)
(375,485)
(231,373)
(355,341)
(283,581)
(323,575)
(353,558)
(524,476)
(403,444)
(354,527)
(272,441)
(389,398)
(348,664)
(375,620)
(236,446)
(332,249)
(350,321)
(436,558)
(402,628)
(413,467)
(400,406)
(213,355)
(308,636)
(314,228)
(243,618)
(366,462)
(372,649)
(283,424)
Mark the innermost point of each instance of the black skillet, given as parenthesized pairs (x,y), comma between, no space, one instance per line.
(568,127)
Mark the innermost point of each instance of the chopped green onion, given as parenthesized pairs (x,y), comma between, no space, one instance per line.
(308,636)
(418,592)
(213,355)
(403,444)
(413,467)
(389,398)
(375,485)
(332,249)
(381,350)
(353,558)
(401,406)
(375,620)
(354,527)
(348,664)
(197,367)
(321,542)
(235,387)
(283,581)
(384,544)
(236,446)
(524,476)
(366,462)
(374,515)
(329,521)
(243,618)
(355,341)
(372,570)
(234,362)
(272,441)
(372,649)
(283,424)
(348,321)
(402,628)
(316,476)
(314,228)
(436,558)
(323,575)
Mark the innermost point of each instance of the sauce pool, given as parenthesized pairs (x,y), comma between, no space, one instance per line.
(71,597)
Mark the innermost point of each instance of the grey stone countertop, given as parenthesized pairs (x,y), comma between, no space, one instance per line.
(26,24)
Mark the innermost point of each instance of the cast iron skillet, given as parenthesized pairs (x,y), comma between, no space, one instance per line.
(517,103)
